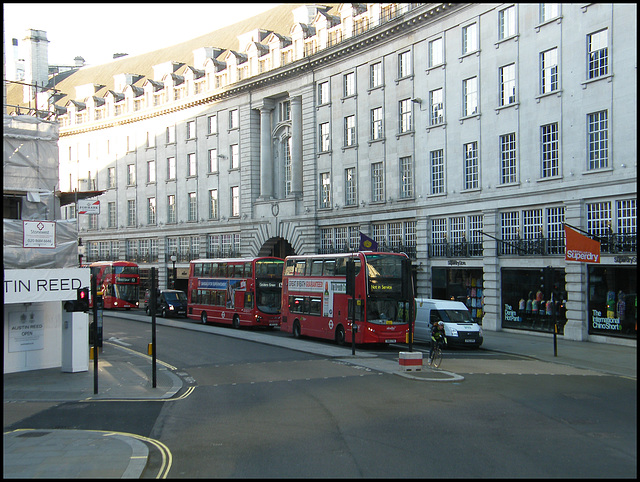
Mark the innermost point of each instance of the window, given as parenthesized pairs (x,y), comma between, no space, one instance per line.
(439,236)
(469,38)
(193,207)
(508,158)
(349,84)
(235,201)
(284,110)
(151,139)
(171,134)
(549,11)
(405,115)
(234,152)
(323,93)
(324,137)
(406,177)
(471,168)
(597,54)
(532,226)
(376,123)
(436,159)
(510,230)
(191,129)
(111,178)
(212,124)
(549,149)
(627,218)
(507,22)
(470,96)
(549,71)
(171,209)
(288,181)
(404,64)
(377,182)
(233,119)
(213,160)
(151,210)
(151,171)
(112,213)
(599,218)
(435,107)
(131,212)
(191,164)
(436,52)
(597,131)
(131,175)
(555,230)
(171,168)
(350,191)
(508,84)
(325,190)
(349,131)
(213,204)
(375,75)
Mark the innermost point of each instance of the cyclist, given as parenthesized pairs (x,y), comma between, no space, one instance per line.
(437,336)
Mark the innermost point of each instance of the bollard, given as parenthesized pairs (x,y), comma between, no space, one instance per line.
(410,360)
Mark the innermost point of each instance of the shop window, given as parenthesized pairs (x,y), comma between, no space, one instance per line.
(613,301)
(528,304)
(463,285)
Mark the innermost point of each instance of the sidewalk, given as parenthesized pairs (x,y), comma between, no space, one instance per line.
(126,375)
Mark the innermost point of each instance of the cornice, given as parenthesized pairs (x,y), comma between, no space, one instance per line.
(399,26)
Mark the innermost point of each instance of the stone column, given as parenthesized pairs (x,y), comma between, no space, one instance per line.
(492,319)
(296,145)
(576,327)
(266,153)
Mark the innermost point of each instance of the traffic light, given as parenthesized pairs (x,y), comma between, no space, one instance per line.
(81,303)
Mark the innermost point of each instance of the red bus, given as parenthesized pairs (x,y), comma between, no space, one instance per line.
(315,301)
(239,292)
(119,282)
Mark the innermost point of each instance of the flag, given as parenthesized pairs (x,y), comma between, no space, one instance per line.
(367,244)
(580,248)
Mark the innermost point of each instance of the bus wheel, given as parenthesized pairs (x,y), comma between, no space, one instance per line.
(340,335)
(236,322)
(203,317)
(296,329)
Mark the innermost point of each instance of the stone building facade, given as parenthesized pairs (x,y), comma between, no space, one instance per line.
(465,135)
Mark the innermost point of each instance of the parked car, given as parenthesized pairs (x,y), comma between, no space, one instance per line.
(459,328)
(169,303)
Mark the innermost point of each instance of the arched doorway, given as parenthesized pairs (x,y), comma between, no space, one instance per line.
(278,247)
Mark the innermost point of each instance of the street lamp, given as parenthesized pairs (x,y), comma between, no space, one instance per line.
(174,258)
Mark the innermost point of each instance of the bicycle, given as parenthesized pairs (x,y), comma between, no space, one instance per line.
(435,356)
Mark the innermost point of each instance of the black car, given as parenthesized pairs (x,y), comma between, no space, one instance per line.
(170,303)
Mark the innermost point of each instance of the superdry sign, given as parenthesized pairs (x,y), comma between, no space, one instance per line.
(581,248)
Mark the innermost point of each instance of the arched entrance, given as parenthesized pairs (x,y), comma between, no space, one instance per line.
(278,247)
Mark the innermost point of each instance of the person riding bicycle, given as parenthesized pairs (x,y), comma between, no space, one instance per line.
(437,336)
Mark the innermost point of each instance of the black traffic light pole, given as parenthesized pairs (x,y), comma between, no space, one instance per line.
(95,334)
(152,304)
(351,291)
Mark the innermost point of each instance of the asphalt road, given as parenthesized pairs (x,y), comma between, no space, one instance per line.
(264,411)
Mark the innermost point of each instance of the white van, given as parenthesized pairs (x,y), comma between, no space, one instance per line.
(459,328)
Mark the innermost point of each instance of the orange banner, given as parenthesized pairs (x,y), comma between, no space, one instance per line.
(580,248)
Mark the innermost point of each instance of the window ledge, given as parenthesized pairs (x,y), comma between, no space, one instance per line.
(557,92)
(469,54)
(406,133)
(442,125)
(502,107)
(508,184)
(467,117)
(598,171)
(557,20)
(608,77)
(410,76)
(436,67)
(507,39)
(373,141)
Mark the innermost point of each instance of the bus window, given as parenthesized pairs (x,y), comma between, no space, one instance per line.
(197,269)
(206,269)
(289,268)
(247,269)
(329,267)
(316,267)
(299,268)
(248,300)
(315,306)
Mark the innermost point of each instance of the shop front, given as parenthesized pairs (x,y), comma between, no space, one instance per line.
(613,301)
(460,284)
(528,305)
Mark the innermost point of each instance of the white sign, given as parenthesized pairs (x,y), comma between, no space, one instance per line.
(86,206)
(26,331)
(39,234)
(38,285)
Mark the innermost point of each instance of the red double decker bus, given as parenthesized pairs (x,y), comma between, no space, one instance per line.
(119,282)
(315,301)
(239,292)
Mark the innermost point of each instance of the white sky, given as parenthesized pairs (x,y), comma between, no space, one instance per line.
(95,31)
